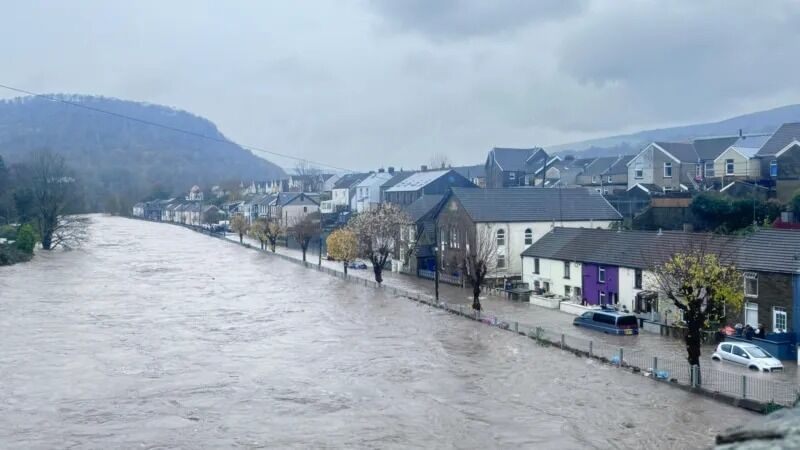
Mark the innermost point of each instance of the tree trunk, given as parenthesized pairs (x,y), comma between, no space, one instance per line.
(377,268)
(241,238)
(304,253)
(476,301)
(694,322)
(47,241)
(345,267)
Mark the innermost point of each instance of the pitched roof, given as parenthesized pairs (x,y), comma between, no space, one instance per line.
(398,177)
(375,179)
(422,206)
(470,172)
(513,158)
(710,148)
(784,136)
(634,249)
(620,166)
(418,180)
(683,151)
(349,180)
(534,205)
(771,250)
(765,250)
(600,165)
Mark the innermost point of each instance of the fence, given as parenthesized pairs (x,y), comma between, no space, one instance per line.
(747,390)
(443,277)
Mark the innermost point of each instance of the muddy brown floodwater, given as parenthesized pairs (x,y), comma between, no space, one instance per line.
(152,336)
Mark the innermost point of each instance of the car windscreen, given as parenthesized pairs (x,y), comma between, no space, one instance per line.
(756,352)
(626,321)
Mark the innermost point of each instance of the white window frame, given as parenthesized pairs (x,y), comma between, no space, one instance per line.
(638,171)
(536,266)
(773,164)
(501,261)
(752,308)
(601,297)
(567,271)
(610,179)
(500,236)
(709,169)
(601,274)
(750,276)
(567,291)
(528,236)
(779,311)
(730,167)
(667,165)
(594,179)
(512,176)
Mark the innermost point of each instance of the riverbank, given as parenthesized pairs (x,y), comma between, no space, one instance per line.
(752,392)
(10,254)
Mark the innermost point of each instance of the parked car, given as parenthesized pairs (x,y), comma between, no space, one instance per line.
(749,355)
(356,265)
(608,321)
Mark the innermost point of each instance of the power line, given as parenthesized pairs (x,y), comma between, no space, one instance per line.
(171,128)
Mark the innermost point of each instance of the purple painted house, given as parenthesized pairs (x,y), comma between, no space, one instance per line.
(600,284)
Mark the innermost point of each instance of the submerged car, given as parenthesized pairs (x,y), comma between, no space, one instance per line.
(608,321)
(356,265)
(749,355)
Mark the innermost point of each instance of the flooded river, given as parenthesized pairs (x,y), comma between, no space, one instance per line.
(152,336)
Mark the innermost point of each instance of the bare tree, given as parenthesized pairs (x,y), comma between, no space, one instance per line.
(480,258)
(53,187)
(378,232)
(700,281)
(310,176)
(303,229)
(439,160)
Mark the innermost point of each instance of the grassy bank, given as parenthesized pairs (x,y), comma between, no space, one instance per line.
(10,254)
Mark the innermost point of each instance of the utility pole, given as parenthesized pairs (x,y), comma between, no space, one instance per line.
(436,263)
(319,253)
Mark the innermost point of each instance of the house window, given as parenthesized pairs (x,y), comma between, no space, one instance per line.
(667,170)
(501,237)
(773,168)
(728,167)
(602,296)
(637,278)
(698,171)
(577,292)
(609,179)
(546,286)
(601,274)
(501,261)
(568,291)
(536,265)
(305,209)
(594,179)
(528,236)
(598,190)
(779,319)
(751,314)
(566,270)
(709,169)
(667,188)
(750,284)
(638,171)
(512,176)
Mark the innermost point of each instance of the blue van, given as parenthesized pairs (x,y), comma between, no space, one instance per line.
(608,321)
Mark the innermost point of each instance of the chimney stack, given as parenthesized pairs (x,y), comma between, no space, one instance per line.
(423,168)
(380,170)
(391,170)
(740,133)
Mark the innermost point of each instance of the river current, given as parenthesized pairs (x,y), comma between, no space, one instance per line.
(152,336)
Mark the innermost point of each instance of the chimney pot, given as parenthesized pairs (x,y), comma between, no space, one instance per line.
(423,168)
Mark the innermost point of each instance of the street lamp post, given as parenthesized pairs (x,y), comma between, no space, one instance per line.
(436,260)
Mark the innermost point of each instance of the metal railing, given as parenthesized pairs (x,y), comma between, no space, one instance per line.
(720,384)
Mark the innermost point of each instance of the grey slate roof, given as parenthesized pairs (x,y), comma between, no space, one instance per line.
(710,148)
(422,206)
(784,136)
(513,158)
(685,152)
(349,180)
(398,177)
(419,180)
(470,172)
(534,205)
(765,250)
(771,250)
(620,166)
(600,165)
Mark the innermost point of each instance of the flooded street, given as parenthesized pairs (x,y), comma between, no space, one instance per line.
(153,336)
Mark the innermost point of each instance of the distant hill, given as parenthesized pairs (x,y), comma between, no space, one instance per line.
(757,122)
(120,161)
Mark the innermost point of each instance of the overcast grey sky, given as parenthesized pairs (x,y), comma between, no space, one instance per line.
(366,83)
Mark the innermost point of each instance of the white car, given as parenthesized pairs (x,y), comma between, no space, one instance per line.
(748,355)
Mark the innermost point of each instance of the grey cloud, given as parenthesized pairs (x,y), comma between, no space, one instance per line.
(458,18)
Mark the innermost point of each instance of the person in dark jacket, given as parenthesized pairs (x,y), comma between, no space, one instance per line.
(761,332)
(749,332)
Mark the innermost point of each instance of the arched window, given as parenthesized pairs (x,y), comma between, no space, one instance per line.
(501,237)
(528,236)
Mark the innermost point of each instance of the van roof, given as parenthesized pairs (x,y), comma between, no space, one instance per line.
(611,312)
